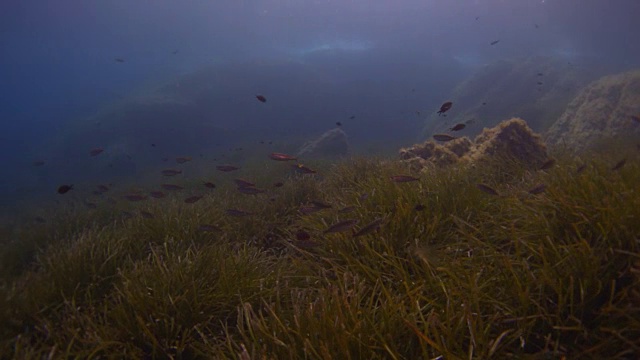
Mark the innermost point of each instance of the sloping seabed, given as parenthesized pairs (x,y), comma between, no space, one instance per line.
(451,271)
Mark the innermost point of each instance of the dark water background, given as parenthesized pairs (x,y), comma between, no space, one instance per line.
(317,61)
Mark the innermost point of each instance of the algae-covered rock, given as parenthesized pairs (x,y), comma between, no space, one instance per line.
(333,143)
(511,139)
(601,111)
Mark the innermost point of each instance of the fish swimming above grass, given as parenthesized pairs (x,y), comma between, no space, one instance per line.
(182,160)
(403,178)
(458,127)
(171,172)
(192,199)
(341,226)
(445,107)
(444,137)
(243,183)
(261,98)
(281,157)
(487,189)
(63,189)
(227,168)
(369,228)
(96,151)
(494,42)
(209,185)
(299,168)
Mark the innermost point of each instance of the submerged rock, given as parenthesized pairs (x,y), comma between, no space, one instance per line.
(332,143)
(511,139)
(601,111)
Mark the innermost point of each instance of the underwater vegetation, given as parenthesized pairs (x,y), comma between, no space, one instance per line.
(347,262)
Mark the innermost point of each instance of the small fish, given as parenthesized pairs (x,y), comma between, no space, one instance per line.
(192,199)
(38,163)
(171,172)
(210,185)
(443,137)
(120,60)
(419,207)
(103,188)
(157,194)
(636,118)
(458,127)
(347,209)
(171,187)
(548,164)
(182,160)
(338,123)
(243,183)
(135,197)
(403,178)
(619,164)
(540,74)
(90,205)
(487,189)
(146,215)
(369,228)
(64,189)
(536,26)
(445,107)
(227,168)
(341,226)
(494,42)
(237,212)
(174,52)
(281,157)
(352,117)
(484,103)
(250,190)
(96,151)
(320,204)
(540,188)
(540,83)
(208,228)
(581,168)
(477,17)
(309,209)
(303,169)
(302,235)
(261,98)
(278,184)
(153,145)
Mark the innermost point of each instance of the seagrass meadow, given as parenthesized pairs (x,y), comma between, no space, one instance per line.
(449,272)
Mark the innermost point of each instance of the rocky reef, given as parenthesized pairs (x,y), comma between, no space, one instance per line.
(602,111)
(537,89)
(331,144)
(511,139)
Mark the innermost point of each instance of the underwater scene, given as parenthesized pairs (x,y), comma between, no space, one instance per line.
(320,179)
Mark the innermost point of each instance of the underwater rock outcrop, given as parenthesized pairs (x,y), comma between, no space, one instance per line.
(602,111)
(333,143)
(511,139)
(537,89)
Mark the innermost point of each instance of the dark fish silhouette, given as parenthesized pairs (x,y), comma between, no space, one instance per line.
(38,163)
(445,107)
(281,157)
(403,178)
(352,117)
(227,168)
(548,164)
(494,42)
(278,184)
(174,52)
(303,169)
(419,207)
(261,98)
(65,189)
(338,123)
(487,189)
(192,199)
(171,172)
(96,151)
(369,228)
(458,127)
(341,226)
(537,189)
(443,137)
(182,160)
(243,183)
(581,168)
(619,164)
(120,60)
(210,185)
(171,187)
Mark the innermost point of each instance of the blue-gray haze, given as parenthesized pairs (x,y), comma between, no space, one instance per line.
(317,61)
